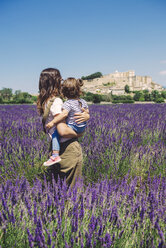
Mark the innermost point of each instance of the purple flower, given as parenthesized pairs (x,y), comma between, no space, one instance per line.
(49,239)
(72,241)
(157,226)
(107,240)
(30,238)
(81,215)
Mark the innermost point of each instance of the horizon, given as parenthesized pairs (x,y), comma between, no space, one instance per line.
(35,94)
(81,38)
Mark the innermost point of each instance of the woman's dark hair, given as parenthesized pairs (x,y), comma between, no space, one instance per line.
(71,87)
(49,86)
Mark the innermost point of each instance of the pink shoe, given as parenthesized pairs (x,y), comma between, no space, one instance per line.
(52,160)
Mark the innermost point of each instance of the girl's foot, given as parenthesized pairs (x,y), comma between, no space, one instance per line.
(52,160)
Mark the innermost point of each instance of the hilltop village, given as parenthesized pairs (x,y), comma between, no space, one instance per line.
(115,83)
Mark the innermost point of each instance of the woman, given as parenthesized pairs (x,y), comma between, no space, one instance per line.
(70,166)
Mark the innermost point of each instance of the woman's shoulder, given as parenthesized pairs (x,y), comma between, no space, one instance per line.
(56,103)
(56,107)
(57,100)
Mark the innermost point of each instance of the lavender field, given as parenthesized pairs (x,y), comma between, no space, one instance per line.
(120,201)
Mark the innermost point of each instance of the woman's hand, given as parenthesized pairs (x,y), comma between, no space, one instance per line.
(82,117)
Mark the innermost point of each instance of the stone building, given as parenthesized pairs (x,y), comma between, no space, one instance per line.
(115,83)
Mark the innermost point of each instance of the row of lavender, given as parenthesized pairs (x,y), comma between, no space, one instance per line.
(107,214)
(126,138)
(23,143)
(120,140)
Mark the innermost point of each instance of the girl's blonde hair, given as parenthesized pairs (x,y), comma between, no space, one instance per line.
(71,87)
(49,86)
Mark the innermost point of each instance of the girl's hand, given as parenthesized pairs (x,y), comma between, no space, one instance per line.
(82,117)
(50,124)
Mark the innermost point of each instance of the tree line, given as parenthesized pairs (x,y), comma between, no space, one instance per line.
(92,76)
(18,97)
(146,96)
(129,97)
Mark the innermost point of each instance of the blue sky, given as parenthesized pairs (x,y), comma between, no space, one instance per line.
(80,37)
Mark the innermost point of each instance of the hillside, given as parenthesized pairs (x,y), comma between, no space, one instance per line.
(115,83)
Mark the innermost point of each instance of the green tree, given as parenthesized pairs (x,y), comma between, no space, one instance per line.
(163,94)
(155,94)
(26,95)
(88,96)
(147,95)
(6,94)
(1,100)
(142,99)
(92,76)
(138,95)
(96,98)
(34,98)
(17,92)
(22,97)
(17,96)
(106,98)
(159,100)
(127,89)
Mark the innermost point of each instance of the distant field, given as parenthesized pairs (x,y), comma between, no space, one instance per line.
(119,203)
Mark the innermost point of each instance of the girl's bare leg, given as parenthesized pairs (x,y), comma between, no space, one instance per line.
(66,131)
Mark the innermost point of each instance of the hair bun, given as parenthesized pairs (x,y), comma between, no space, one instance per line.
(80,82)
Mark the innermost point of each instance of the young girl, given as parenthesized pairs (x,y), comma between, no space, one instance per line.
(71,89)
(49,90)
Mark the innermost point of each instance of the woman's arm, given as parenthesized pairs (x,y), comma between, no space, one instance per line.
(66,131)
(63,129)
(82,117)
(58,118)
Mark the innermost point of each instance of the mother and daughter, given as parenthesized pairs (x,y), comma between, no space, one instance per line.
(63,122)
